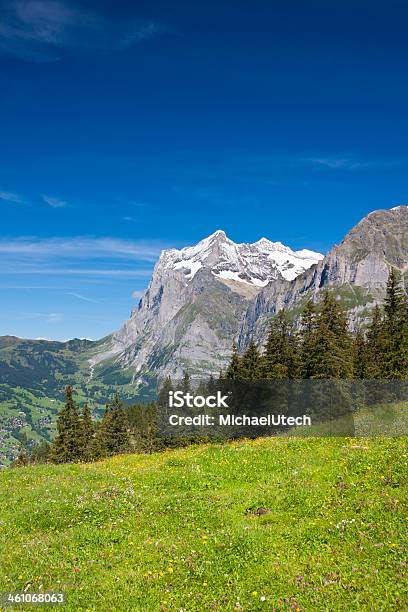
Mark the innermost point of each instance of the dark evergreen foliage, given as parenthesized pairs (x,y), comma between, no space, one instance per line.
(323,347)
(113,433)
(251,363)
(41,452)
(360,355)
(88,433)
(395,344)
(68,445)
(280,359)
(234,370)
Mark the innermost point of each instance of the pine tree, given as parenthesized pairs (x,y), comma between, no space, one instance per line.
(308,325)
(360,358)
(113,433)
(251,363)
(280,356)
(375,346)
(163,394)
(326,347)
(41,452)
(234,369)
(395,354)
(67,446)
(88,433)
(23,458)
(185,385)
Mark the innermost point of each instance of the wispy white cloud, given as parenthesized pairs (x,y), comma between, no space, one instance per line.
(82,297)
(41,30)
(129,219)
(82,257)
(48,317)
(91,272)
(54,202)
(350,163)
(83,247)
(9,196)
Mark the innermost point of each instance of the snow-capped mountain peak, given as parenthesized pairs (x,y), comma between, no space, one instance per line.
(254,264)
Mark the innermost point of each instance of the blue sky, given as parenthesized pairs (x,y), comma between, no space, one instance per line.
(126,127)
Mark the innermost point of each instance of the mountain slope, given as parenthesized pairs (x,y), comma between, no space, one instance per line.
(195,304)
(356,270)
(199,300)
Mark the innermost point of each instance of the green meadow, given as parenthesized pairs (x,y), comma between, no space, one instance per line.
(274,523)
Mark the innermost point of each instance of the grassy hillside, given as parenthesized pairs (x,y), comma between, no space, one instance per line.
(179,530)
(33,375)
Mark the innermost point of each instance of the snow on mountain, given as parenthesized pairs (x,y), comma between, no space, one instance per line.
(254,264)
(186,316)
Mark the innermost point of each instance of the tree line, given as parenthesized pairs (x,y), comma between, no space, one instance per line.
(320,347)
(80,438)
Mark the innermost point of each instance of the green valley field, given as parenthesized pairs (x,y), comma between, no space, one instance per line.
(284,523)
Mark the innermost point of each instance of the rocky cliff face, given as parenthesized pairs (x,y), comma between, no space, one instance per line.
(356,270)
(195,305)
(201,298)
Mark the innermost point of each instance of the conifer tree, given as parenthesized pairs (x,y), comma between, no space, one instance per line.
(163,394)
(234,369)
(338,353)
(67,446)
(375,346)
(395,353)
(23,457)
(359,355)
(185,385)
(113,433)
(41,452)
(307,348)
(326,349)
(251,363)
(280,356)
(88,432)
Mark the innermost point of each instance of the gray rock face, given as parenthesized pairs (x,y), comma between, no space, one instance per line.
(201,298)
(357,270)
(195,305)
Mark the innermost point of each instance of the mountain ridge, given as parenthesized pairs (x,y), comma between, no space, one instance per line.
(174,329)
(190,323)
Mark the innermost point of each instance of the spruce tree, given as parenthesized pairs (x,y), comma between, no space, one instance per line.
(163,393)
(88,432)
(307,345)
(395,353)
(360,357)
(67,446)
(251,363)
(327,358)
(23,457)
(280,355)
(326,347)
(185,385)
(41,452)
(234,369)
(333,331)
(113,433)
(375,346)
